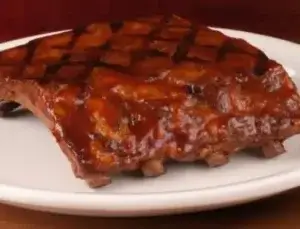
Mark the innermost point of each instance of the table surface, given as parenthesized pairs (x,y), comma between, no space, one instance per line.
(281,211)
(280,20)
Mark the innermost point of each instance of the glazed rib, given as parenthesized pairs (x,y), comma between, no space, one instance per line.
(135,94)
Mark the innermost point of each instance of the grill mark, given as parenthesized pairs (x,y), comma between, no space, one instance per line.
(31,47)
(139,55)
(53,69)
(77,32)
(224,49)
(115,27)
(159,27)
(50,71)
(90,65)
(184,45)
(116,67)
(135,55)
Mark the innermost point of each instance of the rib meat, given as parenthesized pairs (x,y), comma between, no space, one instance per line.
(134,94)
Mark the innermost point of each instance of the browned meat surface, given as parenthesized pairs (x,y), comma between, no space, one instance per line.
(132,95)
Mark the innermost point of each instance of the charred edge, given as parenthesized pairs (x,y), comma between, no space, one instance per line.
(261,64)
(184,45)
(116,26)
(7,107)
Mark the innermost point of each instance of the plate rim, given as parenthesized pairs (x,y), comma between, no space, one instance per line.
(136,204)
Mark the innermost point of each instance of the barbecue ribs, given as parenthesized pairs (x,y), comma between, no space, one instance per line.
(134,94)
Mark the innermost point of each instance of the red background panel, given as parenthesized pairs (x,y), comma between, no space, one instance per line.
(25,17)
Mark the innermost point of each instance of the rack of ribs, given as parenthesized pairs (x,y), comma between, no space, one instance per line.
(133,95)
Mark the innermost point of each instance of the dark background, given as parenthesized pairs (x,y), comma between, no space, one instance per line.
(27,17)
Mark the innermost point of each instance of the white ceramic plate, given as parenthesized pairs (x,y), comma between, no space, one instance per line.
(35,174)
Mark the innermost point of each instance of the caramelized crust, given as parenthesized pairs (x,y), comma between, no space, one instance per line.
(131,95)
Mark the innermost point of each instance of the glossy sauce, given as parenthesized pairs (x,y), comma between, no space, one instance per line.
(153,88)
